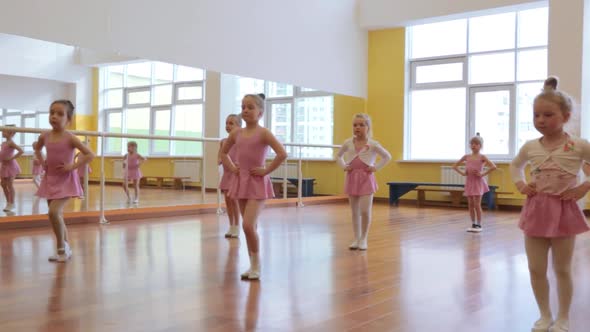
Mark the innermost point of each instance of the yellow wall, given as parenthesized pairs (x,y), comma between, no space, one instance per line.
(90,122)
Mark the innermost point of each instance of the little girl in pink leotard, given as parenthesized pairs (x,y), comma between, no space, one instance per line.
(131,162)
(38,170)
(475,184)
(253,185)
(9,169)
(61,181)
(232,122)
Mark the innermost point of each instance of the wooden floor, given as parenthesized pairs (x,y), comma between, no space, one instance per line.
(422,272)
(26,203)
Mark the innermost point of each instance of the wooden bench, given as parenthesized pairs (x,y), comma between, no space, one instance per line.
(306,183)
(456,195)
(398,189)
(177,181)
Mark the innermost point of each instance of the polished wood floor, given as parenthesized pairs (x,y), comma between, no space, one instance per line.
(26,203)
(422,272)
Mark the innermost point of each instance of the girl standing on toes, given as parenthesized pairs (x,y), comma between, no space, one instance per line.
(253,185)
(233,210)
(475,184)
(10,168)
(550,217)
(61,181)
(357,157)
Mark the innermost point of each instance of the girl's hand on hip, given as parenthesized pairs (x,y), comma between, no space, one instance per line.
(258,171)
(575,193)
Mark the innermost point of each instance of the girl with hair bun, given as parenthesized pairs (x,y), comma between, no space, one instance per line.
(475,183)
(551,218)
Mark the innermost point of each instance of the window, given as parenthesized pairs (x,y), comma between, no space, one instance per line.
(478,74)
(26,119)
(154,98)
(294,114)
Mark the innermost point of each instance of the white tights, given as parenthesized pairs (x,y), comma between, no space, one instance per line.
(361,207)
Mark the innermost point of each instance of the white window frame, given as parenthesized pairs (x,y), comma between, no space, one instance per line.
(128,91)
(153,108)
(268,119)
(511,88)
(106,125)
(297,94)
(178,86)
(414,63)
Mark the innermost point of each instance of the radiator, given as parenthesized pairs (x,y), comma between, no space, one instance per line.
(187,168)
(280,171)
(118,168)
(448,175)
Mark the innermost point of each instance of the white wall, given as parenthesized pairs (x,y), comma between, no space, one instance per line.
(317,44)
(569,46)
(379,14)
(34,59)
(23,93)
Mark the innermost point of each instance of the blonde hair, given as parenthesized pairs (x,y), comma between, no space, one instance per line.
(258,100)
(477,139)
(367,120)
(132,143)
(550,93)
(10,133)
(237,118)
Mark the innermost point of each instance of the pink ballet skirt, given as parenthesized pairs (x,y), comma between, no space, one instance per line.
(9,168)
(58,184)
(546,214)
(37,167)
(133,172)
(475,185)
(359,182)
(228,177)
(251,153)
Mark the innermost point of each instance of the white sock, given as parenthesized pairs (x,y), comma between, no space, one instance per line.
(255,262)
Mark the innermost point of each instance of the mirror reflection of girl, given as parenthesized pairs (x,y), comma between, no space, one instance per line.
(10,168)
(38,170)
(82,172)
(131,162)
(232,122)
